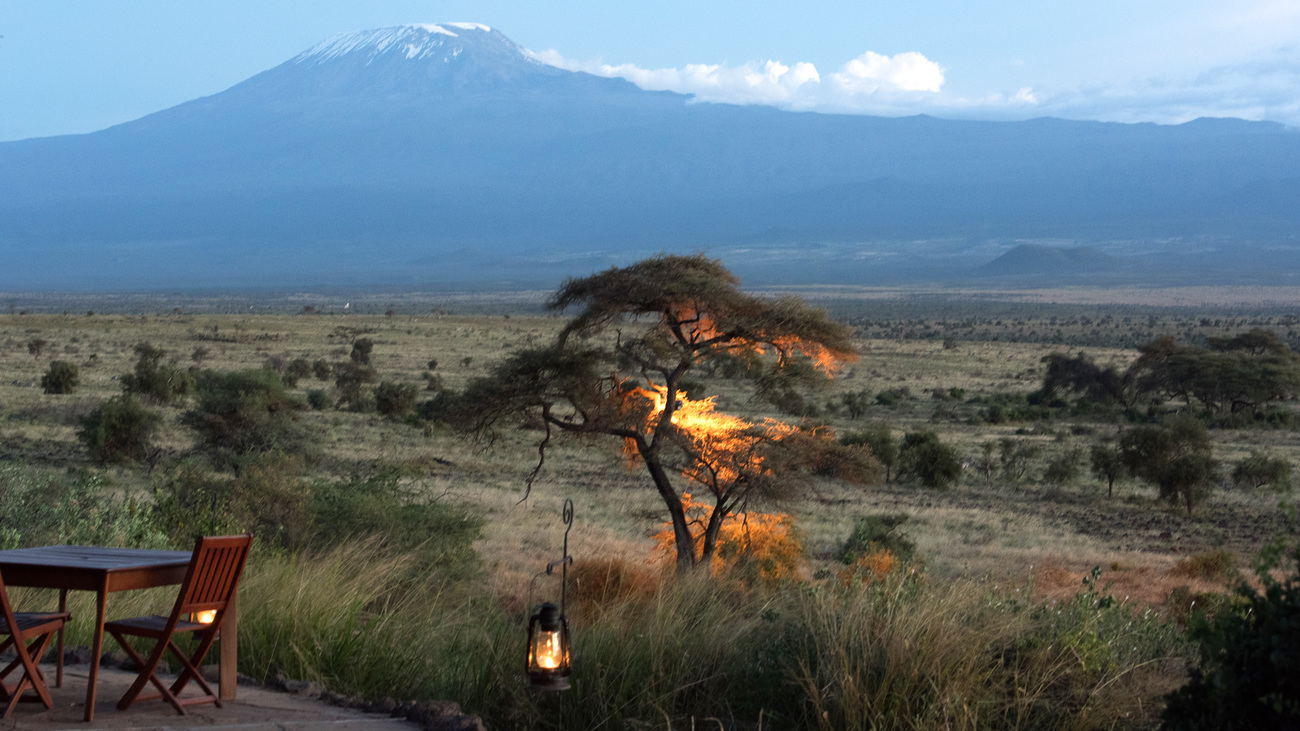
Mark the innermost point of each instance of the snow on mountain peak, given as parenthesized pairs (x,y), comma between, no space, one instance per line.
(418,41)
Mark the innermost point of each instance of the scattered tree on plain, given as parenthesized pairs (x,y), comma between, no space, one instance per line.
(1176,457)
(617,370)
(1107,463)
(156,381)
(61,377)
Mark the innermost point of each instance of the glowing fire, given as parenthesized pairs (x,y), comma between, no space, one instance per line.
(549,652)
(207,616)
(724,445)
(697,327)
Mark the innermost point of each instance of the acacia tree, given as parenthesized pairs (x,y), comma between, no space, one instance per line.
(617,370)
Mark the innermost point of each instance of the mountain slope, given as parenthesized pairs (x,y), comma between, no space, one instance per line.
(446,153)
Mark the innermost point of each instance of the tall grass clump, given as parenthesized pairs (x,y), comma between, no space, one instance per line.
(366,620)
(910,654)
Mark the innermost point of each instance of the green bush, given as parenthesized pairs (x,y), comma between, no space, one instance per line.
(245,412)
(62,377)
(44,507)
(349,379)
(191,502)
(395,400)
(879,438)
(319,399)
(1249,675)
(156,381)
(880,530)
(1260,469)
(120,429)
(296,370)
(1175,457)
(1064,468)
(361,349)
(925,458)
(377,505)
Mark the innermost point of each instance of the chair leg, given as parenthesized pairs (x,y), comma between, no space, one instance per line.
(190,671)
(147,674)
(32,677)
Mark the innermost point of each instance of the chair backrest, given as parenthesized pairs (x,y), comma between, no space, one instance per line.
(214,572)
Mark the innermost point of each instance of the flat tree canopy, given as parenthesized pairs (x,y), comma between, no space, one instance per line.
(617,369)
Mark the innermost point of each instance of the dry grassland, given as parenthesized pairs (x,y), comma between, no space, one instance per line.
(1043,536)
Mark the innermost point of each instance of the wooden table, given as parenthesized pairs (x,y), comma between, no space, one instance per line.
(106,570)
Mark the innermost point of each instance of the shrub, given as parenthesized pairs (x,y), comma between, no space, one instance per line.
(1063,469)
(928,460)
(1260,469)
(319,399)
(395,400)
(879,531)
(154,380)
(891,397)
(880,440)
(1015,455)
(349,378)
(1249,675)
(62,377)
(321,369)
(361,349)
(1107,463)
(42,507)
(244,412)
(1216,565)
(752,546)
(296,370)
(377,505)
(192,502)
(120,429)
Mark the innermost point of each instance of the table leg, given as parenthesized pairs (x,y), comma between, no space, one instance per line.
(229,657)
(58,665)
(96,648)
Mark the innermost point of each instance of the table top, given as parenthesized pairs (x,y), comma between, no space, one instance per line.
(95,558)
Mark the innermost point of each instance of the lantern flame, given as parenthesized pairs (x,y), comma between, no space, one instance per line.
(207,616)
(549,651)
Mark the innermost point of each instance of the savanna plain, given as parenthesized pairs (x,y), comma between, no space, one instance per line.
(399,557)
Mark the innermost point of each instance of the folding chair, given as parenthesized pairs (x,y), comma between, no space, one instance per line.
(29,634)
(209,586)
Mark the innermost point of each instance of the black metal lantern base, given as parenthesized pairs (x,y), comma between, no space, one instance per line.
(546,681)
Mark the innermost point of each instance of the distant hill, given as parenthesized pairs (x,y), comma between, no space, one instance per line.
(1036,260)
(444,153)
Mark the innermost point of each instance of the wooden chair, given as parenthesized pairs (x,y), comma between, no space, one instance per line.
(29,634)
(209,586)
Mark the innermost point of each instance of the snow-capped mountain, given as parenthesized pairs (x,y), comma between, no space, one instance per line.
(430,153)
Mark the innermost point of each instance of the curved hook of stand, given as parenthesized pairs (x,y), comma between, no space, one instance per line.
(565,559)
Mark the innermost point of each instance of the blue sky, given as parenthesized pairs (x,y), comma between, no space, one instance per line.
(69,66)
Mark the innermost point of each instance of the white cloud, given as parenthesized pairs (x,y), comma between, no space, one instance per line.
(905,72)
(872,82)
(1267,87)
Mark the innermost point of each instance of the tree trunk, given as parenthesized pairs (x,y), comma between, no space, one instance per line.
(681,531)
(711,534)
